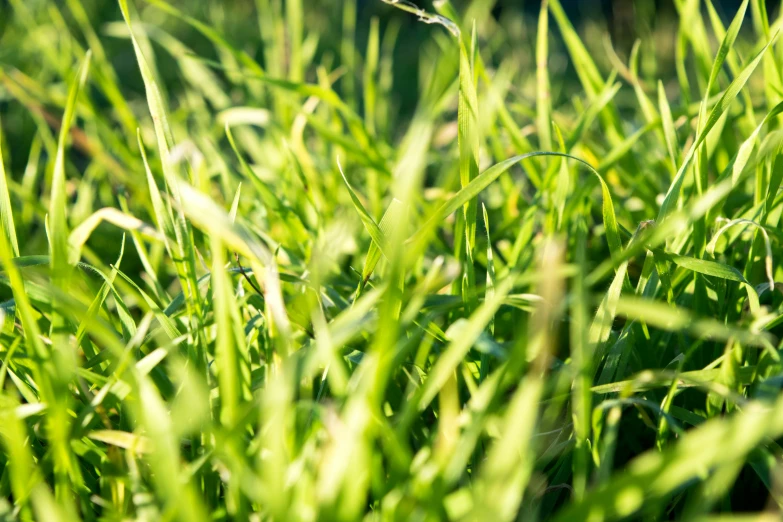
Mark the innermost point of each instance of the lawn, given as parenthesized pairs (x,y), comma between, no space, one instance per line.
(339,260)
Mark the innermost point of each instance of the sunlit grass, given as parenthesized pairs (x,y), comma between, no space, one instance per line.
(242,281)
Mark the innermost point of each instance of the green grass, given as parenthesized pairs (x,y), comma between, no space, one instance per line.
(245,276)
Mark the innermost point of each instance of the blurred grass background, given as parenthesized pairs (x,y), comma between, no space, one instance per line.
(652,21)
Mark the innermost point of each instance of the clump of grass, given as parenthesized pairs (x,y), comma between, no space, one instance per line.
(239,283)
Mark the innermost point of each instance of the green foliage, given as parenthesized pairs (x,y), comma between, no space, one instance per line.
(243,274)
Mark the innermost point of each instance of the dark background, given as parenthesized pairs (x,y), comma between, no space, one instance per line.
(623,20)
